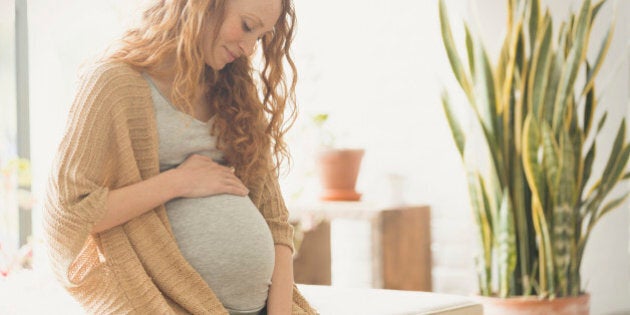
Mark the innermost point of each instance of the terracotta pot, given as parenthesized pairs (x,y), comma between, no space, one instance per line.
(575,305)
(338,172)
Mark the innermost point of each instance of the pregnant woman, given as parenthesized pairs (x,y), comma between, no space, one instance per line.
(163,197)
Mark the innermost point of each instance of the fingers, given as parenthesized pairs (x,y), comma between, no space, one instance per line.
(228,170)
(235,186)
(211,178)
(227,180)
(235,190)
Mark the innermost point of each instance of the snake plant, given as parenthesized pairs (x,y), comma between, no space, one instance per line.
(532,206)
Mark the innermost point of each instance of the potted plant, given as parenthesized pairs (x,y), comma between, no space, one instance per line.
(338,168)
(533,209)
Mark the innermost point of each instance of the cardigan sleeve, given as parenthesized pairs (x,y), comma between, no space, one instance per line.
(77,188)
(272,206)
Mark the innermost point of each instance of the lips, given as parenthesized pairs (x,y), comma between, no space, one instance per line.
(231,56)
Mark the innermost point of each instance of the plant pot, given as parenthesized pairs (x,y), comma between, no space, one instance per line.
(338,172)
(573,305)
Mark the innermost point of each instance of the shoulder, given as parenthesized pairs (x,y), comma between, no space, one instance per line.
(109,89)
(109,77)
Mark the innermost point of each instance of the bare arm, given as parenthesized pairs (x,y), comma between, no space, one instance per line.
(280,299)
(131,201)
(198,176)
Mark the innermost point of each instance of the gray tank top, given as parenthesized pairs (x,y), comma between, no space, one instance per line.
(224,237)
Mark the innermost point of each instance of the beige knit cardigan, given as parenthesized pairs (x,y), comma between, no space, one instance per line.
(110,142)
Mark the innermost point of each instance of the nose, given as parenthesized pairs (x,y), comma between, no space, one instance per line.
(247,45)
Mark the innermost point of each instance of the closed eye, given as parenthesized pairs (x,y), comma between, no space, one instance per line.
(246,27)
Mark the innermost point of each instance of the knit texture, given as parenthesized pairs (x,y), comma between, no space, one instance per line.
(111,142)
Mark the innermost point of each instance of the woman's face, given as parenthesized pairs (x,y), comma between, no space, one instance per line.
(245,22)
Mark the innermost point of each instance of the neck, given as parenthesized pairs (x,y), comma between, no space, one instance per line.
(164,73)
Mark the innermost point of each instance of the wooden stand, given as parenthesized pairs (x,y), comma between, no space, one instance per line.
(400,238)
(313,260)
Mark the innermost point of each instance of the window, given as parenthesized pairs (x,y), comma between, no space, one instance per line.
(9,235)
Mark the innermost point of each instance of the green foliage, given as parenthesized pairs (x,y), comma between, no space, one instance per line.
(325,135)
(533,210)
(20,166)
(320,119)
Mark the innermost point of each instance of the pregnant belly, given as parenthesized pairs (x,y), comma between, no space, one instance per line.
(226,239)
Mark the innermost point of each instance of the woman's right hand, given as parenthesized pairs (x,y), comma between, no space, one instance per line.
(200,176)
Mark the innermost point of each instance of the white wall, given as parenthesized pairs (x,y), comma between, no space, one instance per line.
(62,35)
(378,68)
(606,267)
(9,220)
(59,43)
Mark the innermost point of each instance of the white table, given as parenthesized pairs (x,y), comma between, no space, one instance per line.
(354,301)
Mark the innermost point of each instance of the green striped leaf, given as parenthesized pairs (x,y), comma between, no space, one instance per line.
(521,54)
(531,162)
(612,205)
(470,50)
(575,138)
(596,8)
(547,274)
(619,168)
(615,154)
(510,65)
(534,19)
(601,55)
(563,237)
(588,161)
(570,35)
(484,258)
(551,159)
(451,50)
(506,244)
(566,191)
(555,71)
(456,129)
(489,205)
(576,55)
(485,90)
(589,106)
(602,120)
(541,65)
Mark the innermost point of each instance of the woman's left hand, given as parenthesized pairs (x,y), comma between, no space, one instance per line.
(280,301)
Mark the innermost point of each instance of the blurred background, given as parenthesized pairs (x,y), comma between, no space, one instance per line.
(376,68)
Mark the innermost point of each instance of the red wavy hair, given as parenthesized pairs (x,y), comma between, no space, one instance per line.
(250,121)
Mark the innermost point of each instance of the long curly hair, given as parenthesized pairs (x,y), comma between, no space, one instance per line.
(249,120)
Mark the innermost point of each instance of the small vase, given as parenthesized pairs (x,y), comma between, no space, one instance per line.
(572,305)
(338,172)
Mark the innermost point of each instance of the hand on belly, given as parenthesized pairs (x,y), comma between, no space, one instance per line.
(221,230)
